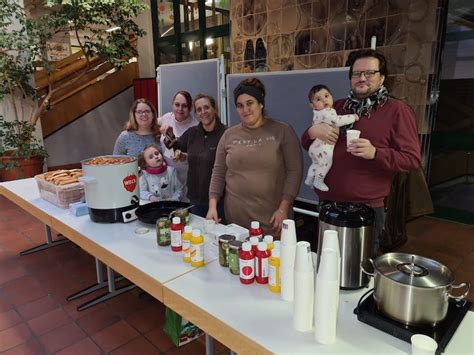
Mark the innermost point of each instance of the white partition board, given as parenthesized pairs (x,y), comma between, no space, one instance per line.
(196,77)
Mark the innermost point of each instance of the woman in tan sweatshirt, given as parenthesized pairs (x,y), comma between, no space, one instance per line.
(258,167)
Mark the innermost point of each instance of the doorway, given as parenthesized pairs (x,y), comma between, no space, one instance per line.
(451,177)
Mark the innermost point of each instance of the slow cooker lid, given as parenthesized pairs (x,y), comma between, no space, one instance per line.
(413,270)
(347,214)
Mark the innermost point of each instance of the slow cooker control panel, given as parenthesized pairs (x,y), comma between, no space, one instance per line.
(129,216)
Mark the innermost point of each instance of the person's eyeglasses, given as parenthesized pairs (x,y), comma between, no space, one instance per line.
(145,112)
(367,73)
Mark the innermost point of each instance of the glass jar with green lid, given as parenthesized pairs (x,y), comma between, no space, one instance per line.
(163,234)
(182,213)
(224,241)
(233,258)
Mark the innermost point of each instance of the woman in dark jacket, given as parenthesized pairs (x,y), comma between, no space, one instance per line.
(198,144)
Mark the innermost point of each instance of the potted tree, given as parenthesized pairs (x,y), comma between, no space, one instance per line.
(102,29)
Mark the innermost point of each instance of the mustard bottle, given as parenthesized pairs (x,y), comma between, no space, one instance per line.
(197,249)
(186,243)
(269,240)
(274,271)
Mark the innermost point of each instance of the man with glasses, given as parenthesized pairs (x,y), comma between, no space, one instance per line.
(363,170)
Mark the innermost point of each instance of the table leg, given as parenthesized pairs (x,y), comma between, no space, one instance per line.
(112,292)
(101,282)
(209,345)
(49,243)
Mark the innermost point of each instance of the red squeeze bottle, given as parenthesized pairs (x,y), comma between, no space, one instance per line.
(256,230)
(261,263)
(175,230)
(254,243)
(246,264)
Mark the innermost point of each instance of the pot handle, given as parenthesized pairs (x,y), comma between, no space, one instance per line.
(463,296)
(87,179)
(364,270)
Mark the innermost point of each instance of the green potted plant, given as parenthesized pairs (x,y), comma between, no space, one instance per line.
(21,154)
(102,29)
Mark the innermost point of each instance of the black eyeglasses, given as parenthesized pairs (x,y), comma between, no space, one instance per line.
(367,73)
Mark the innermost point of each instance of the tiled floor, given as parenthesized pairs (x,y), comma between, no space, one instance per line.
(35,317)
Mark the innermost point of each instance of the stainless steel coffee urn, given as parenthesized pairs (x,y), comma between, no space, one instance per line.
(353,223)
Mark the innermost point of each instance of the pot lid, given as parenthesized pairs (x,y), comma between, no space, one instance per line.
(347,214)
(413,270)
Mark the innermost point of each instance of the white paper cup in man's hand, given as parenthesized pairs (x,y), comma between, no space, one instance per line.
(423,345)
(352,134)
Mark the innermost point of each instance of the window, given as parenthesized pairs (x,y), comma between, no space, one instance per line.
(187,30)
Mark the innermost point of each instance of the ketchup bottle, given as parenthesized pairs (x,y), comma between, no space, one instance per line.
(256,230)
(261,263)
(254,243)
(175,231)
(246,264)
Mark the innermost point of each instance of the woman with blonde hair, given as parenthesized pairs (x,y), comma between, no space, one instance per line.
(140,130)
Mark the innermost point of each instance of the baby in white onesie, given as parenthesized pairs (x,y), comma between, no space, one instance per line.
(321,102)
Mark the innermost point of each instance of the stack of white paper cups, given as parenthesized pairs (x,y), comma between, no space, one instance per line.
(331,241)
(287,259)
(326,300)
(304,288)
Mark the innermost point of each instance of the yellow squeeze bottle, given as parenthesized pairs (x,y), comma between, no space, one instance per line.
(197,249)
(186,242)
(274,271)
(269,240)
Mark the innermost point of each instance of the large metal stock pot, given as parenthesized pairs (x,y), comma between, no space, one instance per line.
(412,289)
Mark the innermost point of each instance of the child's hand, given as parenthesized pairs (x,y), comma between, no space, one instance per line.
(356,117)
(154,198)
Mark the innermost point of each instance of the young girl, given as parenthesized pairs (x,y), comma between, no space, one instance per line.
(158,181)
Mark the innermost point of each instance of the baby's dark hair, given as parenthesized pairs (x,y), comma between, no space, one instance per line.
(141,155)
(315,89)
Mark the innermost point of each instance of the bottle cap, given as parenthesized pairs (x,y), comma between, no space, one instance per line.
(196,233)
(268,239)
(276,244)
(235,244)
(246,246)
(226,238)
(188,229)
(276,252)
(262,246)
(255,224)
(176,220)
(254,240)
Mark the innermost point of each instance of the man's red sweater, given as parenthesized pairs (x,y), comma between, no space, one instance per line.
(392,130)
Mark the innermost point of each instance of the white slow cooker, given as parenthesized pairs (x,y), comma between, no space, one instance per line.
(111,188)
